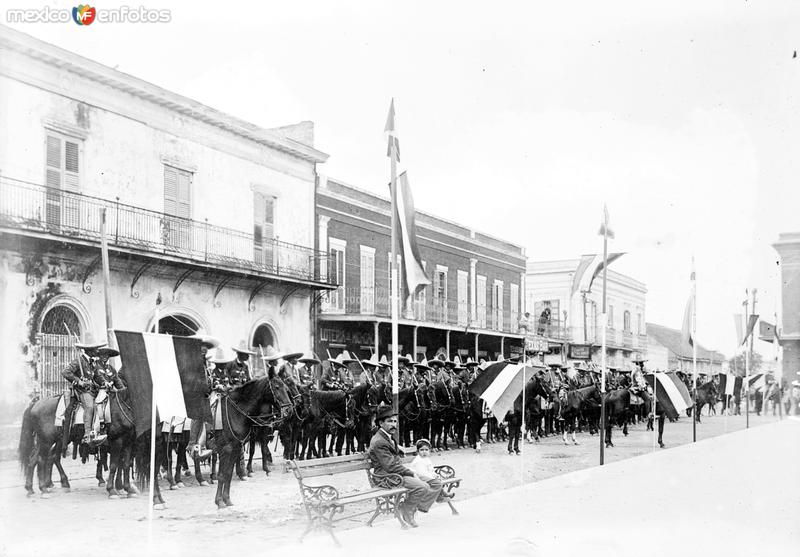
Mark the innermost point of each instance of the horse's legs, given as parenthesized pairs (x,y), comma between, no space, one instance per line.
(609,428)
(660,430)
(113,466)
(251,449)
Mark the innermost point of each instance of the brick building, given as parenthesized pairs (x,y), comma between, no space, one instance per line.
(472,306)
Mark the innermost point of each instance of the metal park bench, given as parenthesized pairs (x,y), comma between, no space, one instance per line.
(323,502)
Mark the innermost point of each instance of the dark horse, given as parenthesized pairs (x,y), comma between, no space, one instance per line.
(259,402)
(40,445)
(569,409)
(705,394)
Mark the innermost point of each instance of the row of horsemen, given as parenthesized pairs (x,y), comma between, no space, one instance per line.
(92,374)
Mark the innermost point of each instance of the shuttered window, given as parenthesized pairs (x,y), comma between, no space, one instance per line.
(62,174)
(176,232)
(263,228)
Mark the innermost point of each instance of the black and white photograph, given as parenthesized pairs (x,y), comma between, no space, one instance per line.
(400,278)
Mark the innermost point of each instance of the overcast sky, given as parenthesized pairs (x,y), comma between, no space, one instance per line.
(520,119)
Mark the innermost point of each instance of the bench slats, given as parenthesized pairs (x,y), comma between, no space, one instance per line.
(330,460)
(327,470)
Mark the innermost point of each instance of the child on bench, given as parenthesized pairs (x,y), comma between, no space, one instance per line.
(423,469)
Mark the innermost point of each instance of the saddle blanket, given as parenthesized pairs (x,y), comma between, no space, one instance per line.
(102,409)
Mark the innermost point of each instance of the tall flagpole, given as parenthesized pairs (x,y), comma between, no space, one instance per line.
(694,354)
(603,345)
(393,295)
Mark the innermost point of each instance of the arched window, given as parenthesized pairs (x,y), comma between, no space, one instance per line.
(626,321)
(60,327)
(177,324)
(263,336)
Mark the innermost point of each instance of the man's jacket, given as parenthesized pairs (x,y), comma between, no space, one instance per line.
(385,455)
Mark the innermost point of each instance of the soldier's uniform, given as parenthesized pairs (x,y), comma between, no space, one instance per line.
(80,373)
(330,377)
(238,373)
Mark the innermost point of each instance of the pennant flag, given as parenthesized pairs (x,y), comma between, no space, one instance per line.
(589,269)
(766,331)
(391,134)
(604,228)
(672,396)
(688,314)
(414,277)
(500,384)
(172,366)
(729,383)
(751,324)
(758,381)
(737,321)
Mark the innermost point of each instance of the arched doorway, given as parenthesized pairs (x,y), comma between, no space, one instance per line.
(263,336)
(60,327)
(177,325)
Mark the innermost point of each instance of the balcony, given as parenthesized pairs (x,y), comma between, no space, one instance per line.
(70,215)
(374,302)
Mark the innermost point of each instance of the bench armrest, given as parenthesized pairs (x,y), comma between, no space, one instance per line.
(319,495)
(444,471)
(385,481)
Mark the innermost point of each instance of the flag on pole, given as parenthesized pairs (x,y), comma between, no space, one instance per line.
(414,277)
(751,324)
(729,383)
(391,133)
(172,368)
(589,269)
(500,384)
(737,322)
(758,381)
(687,332)
(672,396)
(605,230)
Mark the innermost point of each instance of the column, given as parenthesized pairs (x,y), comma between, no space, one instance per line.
(473,289)
(414,348)
(502,347)
(476,346)
(447,342)
(322,243)
(376,338)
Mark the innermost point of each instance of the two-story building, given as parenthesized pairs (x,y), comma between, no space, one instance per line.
(565,311)
(471,308)
(210,220)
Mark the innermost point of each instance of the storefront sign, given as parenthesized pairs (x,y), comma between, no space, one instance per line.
(580,351)
(536,344)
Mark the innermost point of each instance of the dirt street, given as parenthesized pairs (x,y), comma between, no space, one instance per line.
(268,509)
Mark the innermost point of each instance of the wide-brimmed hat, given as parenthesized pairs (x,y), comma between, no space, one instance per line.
(385,363)
(309,358)
(221,356)
(342,359)
(290,355)
(423,364)
(470,362)
(88,342)
(407,359)
(107,351)
(372,361)
(206,339)
(384,411)
(243,348)
(270,354)
(436,363)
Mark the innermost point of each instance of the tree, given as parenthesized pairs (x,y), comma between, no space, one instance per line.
(737,364)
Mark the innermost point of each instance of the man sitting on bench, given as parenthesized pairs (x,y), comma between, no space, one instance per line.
(386,459)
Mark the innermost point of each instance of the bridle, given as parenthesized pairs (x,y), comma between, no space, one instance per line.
(260,420)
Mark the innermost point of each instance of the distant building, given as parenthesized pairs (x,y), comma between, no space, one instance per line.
(471,308)
(567,319)
(667,351)
(788,247)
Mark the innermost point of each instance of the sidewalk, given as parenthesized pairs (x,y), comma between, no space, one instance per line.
(714,497)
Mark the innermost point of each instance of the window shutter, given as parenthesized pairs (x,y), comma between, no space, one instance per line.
(170,191)
(71,181)
(53,162)
(184,200)
(259,209)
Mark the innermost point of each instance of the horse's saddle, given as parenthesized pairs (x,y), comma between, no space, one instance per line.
(101,409)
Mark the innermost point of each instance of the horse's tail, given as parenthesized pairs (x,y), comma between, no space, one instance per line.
(27,437)
(141,460)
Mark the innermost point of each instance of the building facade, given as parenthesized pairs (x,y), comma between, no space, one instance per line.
(209,219)
(667,351)
(788,248)
(566,319)
(472,306)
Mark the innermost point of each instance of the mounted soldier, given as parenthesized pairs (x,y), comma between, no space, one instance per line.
(307,375)
(198,430)
(290,373)
(384,373)
(108,380)
(370,371)
(424,372)
(80,373)
(405,372)
(438,366)
(239,369)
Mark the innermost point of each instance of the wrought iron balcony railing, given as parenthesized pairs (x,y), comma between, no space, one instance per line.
(375,302)
(69,214)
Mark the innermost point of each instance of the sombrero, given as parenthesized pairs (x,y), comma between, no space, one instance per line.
(385,363)
(88,342)
(423,364)
(310,358)
(108,351)
(407,359)
(372,361)
(291,355)
(243,348)
(221,356)
(206,339)
(436,362)
(271,355)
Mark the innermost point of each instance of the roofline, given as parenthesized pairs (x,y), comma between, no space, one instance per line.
(27,45)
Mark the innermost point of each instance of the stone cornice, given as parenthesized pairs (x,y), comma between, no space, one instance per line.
(94,71)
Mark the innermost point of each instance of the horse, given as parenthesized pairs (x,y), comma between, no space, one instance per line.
(248,405)
(328,410)
(475,420)
(536,390)
(569,409)
(442,404)
(618,406)
(705,394)
(41,445)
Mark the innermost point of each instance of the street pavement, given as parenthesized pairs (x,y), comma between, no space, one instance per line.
(724,496)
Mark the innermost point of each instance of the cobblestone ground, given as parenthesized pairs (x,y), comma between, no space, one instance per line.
(268,509)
